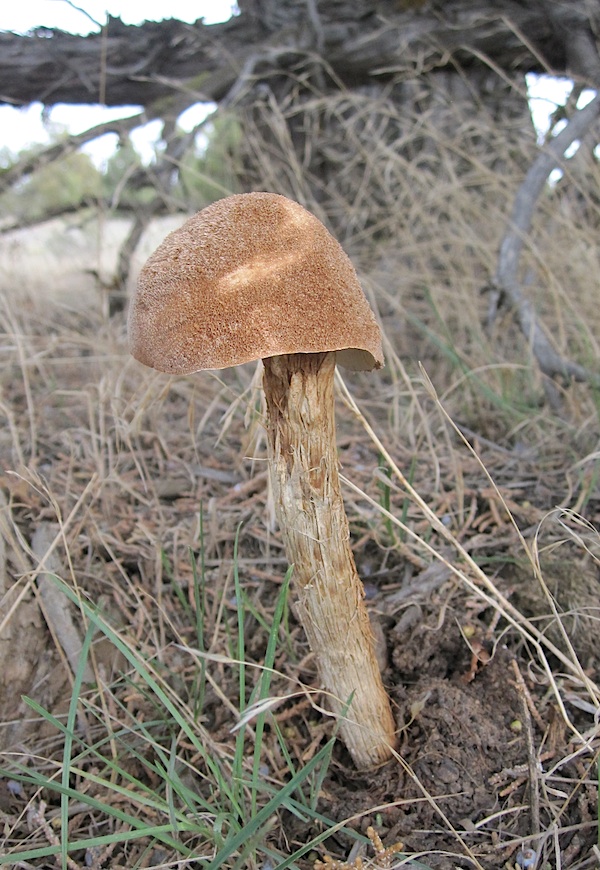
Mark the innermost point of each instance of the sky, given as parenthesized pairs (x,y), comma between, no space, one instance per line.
(25,126)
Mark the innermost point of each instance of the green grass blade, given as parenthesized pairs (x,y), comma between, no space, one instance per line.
(264,684)
(156,832)
(241,618)
(249,830)
(68,745)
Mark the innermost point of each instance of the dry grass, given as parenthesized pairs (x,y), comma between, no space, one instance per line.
(473,510)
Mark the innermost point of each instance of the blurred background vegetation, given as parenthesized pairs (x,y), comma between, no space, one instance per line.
(206,172)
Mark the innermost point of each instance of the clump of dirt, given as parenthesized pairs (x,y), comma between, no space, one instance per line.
(457,743)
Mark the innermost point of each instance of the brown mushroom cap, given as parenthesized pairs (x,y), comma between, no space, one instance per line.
(251,276)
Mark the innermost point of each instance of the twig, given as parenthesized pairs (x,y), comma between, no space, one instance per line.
(532,762)
(54,605)
(83,12)
(3,572)
(36,817)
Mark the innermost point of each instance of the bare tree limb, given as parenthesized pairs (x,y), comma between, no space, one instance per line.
(32,162)
(505,284)
(9,225)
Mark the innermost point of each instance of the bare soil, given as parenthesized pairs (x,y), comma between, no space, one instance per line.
(497,744)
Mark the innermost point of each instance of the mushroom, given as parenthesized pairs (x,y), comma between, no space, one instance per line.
(255,276)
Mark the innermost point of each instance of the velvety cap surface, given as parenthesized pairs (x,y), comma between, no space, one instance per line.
(251,276)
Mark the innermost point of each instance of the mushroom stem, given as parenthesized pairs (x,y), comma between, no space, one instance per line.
(299,390)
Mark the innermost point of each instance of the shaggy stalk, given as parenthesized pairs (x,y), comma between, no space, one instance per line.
(310,510)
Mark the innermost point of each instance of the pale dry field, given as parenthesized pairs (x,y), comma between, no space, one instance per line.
(66,261)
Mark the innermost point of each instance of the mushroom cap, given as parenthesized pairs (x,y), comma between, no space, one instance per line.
(251,276)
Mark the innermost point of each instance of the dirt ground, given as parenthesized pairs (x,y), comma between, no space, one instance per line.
(487,760)
(497,738)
